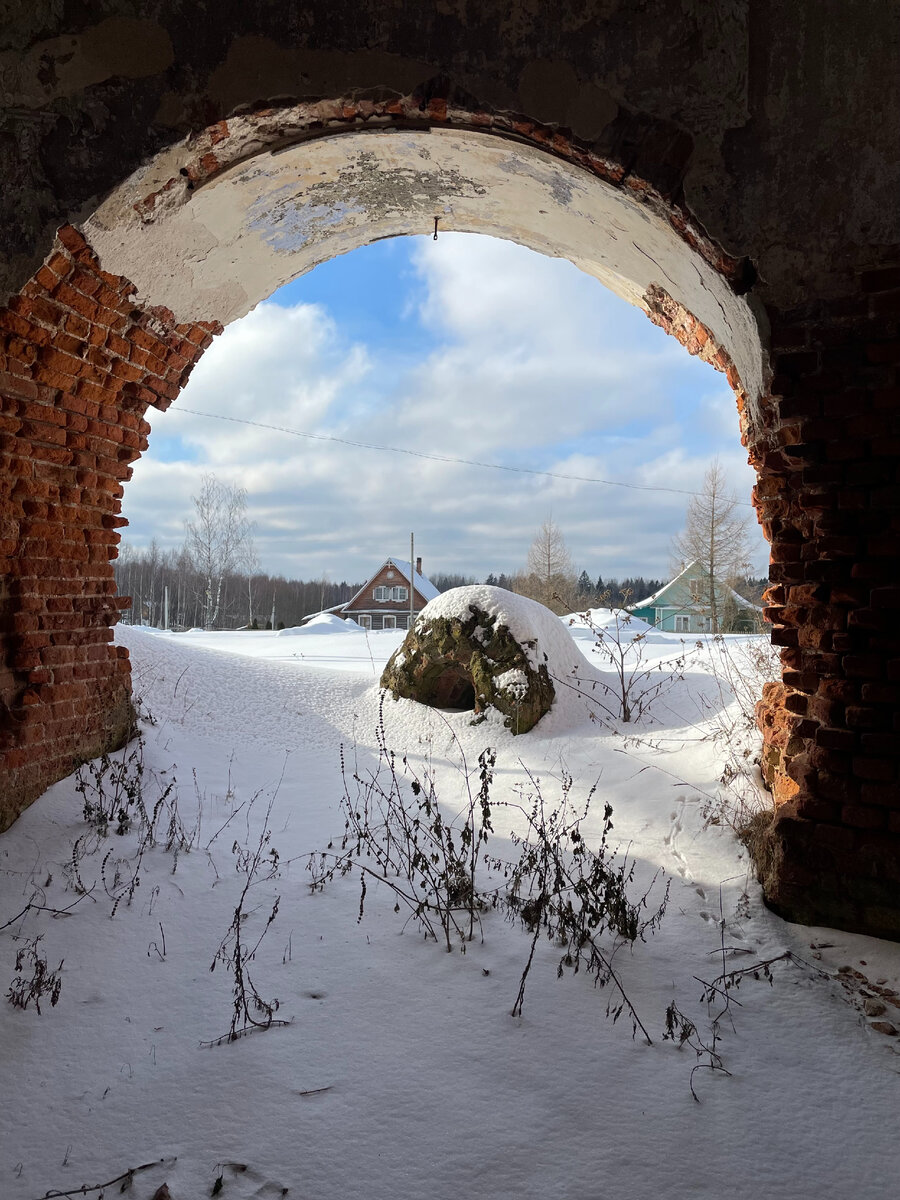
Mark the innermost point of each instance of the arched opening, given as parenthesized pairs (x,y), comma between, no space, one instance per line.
(122,309)
(231,227)
(454,691)
(421,384)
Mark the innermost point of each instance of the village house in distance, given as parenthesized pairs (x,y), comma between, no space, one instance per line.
(383,600)
(682,606)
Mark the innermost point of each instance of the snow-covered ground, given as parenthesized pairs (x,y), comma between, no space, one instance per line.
(402,1073)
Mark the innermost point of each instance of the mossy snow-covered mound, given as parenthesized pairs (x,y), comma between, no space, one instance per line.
(484,647)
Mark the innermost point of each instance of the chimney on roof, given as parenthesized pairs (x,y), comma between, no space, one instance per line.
(419,565)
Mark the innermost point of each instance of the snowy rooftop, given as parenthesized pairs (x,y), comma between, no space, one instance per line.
(741,600)
(422,584)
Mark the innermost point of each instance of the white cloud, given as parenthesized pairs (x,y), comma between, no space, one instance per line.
(535,347)
(277,366)
(524,361)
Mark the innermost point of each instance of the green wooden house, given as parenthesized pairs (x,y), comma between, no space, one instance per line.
(682,606)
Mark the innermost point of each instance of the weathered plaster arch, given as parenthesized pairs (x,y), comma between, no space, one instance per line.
(214,238)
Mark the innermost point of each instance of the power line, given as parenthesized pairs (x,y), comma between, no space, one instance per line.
(444,458)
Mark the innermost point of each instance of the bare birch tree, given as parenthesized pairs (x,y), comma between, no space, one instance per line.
(217,539)
(716,536)
(251,568)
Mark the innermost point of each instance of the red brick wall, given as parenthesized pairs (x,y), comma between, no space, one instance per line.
(828,498)
(831,508)
(80,363)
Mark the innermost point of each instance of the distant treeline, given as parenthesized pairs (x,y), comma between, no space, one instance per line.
(444,581)
(250,600)
(590,593)
(610,592)
(247,600)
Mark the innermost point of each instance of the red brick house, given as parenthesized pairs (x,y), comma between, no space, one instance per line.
(383,601)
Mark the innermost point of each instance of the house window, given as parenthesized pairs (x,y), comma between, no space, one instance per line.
(391,593)
(682,624)
(365,620)
(696,589)
(390,622)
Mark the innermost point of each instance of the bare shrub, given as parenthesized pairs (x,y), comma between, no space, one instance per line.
(258,864)
(739,669)
(120,796)
(395,832)
(573,893)
(637,682)
(111,789)
(558,886)
(34,980)
(718,997)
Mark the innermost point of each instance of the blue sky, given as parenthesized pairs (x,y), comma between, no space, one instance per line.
(468,348)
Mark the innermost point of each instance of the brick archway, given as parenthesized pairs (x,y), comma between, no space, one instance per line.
(89,345)
(88,350)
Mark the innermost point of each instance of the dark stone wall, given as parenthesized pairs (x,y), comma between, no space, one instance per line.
(775,121)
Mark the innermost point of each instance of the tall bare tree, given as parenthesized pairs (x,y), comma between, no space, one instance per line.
(549,575)
(716,536)
(217,539)
(250,565)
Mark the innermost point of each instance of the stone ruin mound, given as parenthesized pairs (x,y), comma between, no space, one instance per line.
(476,648)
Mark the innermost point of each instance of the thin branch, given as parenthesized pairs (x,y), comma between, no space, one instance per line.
(56,912)
(125,1179)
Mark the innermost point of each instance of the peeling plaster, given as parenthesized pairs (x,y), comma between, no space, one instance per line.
(289,226)
(215,252)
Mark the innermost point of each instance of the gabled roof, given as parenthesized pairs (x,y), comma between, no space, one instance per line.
(421,584)
(742,600)
(665,587)
(723,587)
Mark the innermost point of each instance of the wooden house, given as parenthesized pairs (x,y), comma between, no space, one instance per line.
(682,606)
(383,602)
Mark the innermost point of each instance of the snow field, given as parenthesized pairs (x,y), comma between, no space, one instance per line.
(402,1073)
